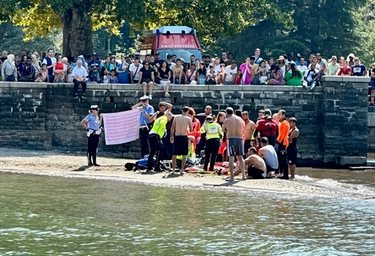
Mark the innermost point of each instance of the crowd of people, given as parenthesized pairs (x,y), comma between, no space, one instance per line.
(150,71)
(267,147)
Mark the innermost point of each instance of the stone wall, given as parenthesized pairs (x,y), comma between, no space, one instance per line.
(45,116)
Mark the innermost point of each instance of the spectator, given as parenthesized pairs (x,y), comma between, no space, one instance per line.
(350,60)
(246,69)
(257,58)
(165,77)
(372,84)
(230,74)
(107,63)
(36,64)
(69,75)
(147,78)
(79,74)
(59,70)
(113,78)
(177,71)
(94,68)
(311,74)
(8,69)
(134,70)
(321,61)
(211,75)
(344,69)
(260,73)
(238,80)
(104,74)
(192,59)
(50,62)
(299,61)
(191,74)
(224,58)
(22,65)
(301,66)
(277,74)
(293,76)
(333,66)
(281,63)
(28,72)
(4,56)
(202,72)
(43,74)
(157,60)
(230,59)
(269,64)
(358,69)
(123,72)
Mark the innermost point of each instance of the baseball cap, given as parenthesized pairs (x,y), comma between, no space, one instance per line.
(144,97)
(94,107)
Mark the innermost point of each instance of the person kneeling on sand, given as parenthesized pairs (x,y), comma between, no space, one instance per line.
(256,166)
(268,153)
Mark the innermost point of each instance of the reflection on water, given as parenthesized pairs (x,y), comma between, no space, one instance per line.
(60,216)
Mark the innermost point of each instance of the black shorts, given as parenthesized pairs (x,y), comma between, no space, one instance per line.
(292,154)
(180,146)
(247,146)
(270,169)
(256,173)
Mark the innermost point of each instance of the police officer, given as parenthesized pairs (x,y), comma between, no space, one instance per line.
(145,122)
(214,134)
(92,123)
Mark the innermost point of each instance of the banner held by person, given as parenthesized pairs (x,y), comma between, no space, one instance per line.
(121,127)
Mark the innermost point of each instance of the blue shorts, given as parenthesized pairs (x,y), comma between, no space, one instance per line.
(372,84)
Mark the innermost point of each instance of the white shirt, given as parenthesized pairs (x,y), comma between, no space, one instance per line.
(303,69)
(218,68)
(230,72)
(79,72)
(309,74)
(135,70)
(209,73)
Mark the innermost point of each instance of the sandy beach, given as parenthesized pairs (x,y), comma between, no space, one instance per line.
(75,165)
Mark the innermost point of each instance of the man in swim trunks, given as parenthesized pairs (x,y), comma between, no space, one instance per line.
(178,136)
(233,127)
(268,153)
(249,131)
(256,166)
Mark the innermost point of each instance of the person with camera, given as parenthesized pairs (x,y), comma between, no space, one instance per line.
(92,123)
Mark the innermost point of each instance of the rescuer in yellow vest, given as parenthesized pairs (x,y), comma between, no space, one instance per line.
(214,134)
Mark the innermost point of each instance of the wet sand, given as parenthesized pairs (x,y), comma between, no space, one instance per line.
(75,165)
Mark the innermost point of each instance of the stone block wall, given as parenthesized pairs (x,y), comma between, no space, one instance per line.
(45,116)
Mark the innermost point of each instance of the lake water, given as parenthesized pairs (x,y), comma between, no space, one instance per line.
(74,216)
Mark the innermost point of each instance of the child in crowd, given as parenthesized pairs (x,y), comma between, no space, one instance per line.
(113,78)
(104,75)
(69,77)
(43,75)
(238,77)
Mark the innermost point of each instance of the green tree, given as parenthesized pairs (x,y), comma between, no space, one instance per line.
(78,18)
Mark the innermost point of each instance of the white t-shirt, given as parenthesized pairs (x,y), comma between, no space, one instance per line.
(218,68)
(135,70)
(79,72)
(303,69)
(230,72)
(309,73)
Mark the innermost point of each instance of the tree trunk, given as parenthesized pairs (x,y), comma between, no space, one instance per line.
(67,28)
(77,32)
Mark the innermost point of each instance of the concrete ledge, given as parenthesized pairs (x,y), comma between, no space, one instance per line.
(351,160)
(357,79)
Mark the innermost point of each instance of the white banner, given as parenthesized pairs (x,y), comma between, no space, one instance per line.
(121,127)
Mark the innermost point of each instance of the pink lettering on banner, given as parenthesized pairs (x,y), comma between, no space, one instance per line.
(121,127)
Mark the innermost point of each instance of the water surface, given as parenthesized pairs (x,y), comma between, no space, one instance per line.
(74,216)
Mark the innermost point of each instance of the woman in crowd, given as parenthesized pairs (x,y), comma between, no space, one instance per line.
(165,77)
(92,123)
(277,75)
(293,76)
(69,76)
(246,69)
(43,74)
(22,65)
(8,69)
(344,69)
(147,79)
(261,73)
(123,72)
(36,64)
(202,72)
(59,70)
(191,74)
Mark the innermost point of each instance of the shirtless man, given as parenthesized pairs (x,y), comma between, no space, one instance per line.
(233,127)
(256,166)
(177,72)
(249,131)
(178,136)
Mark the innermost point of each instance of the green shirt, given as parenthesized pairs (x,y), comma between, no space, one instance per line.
(212,130)
(289,80)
